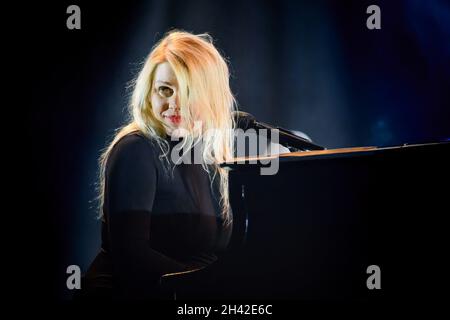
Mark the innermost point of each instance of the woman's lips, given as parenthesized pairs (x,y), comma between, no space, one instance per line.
(176,119)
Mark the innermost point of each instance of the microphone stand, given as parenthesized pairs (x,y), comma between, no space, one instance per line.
(289,139)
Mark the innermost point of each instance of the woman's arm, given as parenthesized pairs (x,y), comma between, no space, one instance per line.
(130,186)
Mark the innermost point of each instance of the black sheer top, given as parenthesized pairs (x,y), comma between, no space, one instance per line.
(157,219)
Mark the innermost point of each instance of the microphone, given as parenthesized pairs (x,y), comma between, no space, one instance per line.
(287,138)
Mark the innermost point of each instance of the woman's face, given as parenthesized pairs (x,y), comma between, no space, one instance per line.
(164,97)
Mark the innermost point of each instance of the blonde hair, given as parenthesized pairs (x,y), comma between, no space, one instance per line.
(204,94)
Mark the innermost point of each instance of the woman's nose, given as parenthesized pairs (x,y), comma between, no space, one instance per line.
(173,104)
(174,107)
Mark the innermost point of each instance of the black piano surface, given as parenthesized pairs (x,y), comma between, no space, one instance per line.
(311,230)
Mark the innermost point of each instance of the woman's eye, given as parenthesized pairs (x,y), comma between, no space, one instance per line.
(165,92)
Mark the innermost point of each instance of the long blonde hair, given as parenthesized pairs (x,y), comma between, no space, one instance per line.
(204,94)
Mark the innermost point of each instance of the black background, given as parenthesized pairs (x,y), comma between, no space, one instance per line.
(308,66)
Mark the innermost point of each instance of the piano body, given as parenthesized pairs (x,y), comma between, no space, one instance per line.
(312,230)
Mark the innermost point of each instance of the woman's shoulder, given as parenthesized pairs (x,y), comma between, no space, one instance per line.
(132,148)
(134,138)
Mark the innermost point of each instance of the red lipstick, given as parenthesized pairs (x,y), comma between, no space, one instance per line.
(175,119)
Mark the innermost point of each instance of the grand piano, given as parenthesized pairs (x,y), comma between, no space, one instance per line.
(312,231)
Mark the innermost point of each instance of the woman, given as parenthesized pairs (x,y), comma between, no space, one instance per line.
(160,214)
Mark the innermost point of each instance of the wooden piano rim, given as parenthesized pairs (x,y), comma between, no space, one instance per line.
(323,152)
(303,154)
